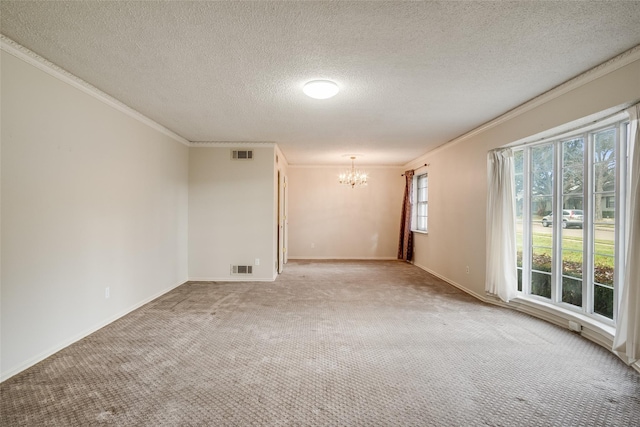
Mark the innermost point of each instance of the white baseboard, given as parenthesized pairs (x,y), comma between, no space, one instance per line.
(49,352)
(328,258)
(246,278)
(482,298)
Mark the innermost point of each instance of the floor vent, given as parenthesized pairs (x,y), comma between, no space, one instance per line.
(242,154)
(241,269)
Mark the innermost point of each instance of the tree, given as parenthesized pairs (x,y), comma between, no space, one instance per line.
(542,178)
(604,172)
(573,173)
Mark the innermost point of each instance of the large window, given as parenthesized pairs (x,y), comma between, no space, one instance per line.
(421,197)
(569,225)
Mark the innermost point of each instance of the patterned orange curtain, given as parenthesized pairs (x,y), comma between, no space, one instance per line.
(405,248)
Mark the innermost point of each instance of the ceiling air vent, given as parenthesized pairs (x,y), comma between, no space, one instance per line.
(242,154)
(241,269)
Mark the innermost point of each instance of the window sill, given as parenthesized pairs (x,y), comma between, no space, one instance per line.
(419,231)
(591,329)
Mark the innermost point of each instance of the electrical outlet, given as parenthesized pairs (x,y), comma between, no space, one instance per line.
(467,269)
(257,261)
(107,293)
(575,326)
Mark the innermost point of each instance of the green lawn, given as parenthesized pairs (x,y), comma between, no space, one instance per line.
(571,256)
(572,260)
(572,246)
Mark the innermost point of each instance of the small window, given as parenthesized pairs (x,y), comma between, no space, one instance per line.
(421,200)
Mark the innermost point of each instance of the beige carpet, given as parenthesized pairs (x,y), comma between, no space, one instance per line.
(327,344)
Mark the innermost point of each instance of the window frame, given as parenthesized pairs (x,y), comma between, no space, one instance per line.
(416,202)
(621,126)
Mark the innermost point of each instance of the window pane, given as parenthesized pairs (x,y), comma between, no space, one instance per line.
(542,171)
(573,203)
(541,210)
(541,284)
(541,181)
(541,259)
(604,250)
(605,142)
(572,241)
(573,152)
(603,269)
(572,180)
(541,236)
(519,192)
(572,194)
(604,172)
(518,157)
(572,291)
(572,263)
(603,301)
(520,279)
(603,217)
(604,241)
(605,208)
(420,206)
(604,175)
(573,167)
(519,181)
(572,220)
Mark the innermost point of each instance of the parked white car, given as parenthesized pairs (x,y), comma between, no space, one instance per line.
(570,218)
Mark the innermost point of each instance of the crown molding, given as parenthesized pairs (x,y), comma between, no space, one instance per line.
(343,166)
(228,144)
(582,125)
(32,58)
(613,64)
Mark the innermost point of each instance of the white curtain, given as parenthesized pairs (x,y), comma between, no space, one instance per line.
(501,277)
(626,343)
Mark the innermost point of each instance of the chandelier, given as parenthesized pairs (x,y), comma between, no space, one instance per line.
(353,176)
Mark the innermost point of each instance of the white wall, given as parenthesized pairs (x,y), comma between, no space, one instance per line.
(457,176)
(329,220)
(91,198)
(231,213)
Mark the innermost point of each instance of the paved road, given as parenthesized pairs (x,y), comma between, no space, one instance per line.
(601,234)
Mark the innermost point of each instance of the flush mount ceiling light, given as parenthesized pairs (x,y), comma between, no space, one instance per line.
(320,89)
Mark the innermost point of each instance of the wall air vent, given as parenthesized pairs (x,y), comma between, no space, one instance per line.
(241,269)
(242,154)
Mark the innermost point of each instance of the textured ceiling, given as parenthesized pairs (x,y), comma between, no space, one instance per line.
(413,75)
